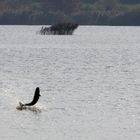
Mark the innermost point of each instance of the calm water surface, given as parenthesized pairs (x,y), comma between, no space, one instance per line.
(90,83)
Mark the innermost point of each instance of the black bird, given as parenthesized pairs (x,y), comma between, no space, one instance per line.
(35,98)
(33,102)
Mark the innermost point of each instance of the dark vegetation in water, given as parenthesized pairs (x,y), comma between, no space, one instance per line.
(59,29)
(86,12)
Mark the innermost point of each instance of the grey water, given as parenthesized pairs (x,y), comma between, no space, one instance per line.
(90,83)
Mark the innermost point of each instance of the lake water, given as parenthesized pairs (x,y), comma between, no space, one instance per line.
(90,83)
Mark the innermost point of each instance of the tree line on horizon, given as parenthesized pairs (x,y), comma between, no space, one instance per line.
(83,12)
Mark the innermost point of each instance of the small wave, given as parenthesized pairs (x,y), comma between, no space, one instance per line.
(33,109)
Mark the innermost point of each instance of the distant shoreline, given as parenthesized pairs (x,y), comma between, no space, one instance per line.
(82,12)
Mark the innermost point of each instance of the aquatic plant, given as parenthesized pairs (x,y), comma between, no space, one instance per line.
(59,29)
